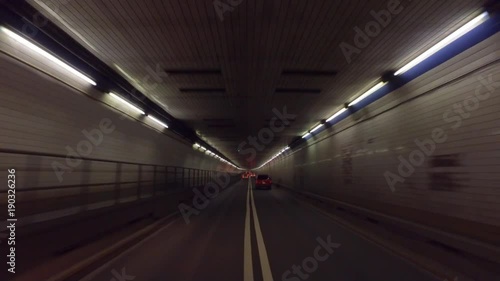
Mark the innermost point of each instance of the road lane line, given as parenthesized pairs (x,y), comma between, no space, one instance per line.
(261,246)
(247,252)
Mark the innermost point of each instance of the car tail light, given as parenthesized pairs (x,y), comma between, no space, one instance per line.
(263,182)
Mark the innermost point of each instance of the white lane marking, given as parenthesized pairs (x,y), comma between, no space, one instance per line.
(247,249)
(261,246)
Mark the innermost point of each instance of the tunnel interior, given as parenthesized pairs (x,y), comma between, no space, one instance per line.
(250,140)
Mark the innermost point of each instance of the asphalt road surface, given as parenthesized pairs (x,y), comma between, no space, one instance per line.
(256,235)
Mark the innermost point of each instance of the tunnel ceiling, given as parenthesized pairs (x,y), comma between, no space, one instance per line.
(223,70)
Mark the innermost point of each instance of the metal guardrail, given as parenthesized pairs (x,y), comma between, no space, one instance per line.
(143,181)
(173,174)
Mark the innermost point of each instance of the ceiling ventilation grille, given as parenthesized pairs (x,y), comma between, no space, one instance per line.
(193,71)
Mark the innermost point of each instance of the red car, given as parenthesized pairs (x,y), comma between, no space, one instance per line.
(247,175)
(264,182)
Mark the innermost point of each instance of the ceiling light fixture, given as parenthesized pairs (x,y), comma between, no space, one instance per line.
(157,121)
(367,93)
(124,101)
(445,42)
(47,55)
(317,128)
(336,114)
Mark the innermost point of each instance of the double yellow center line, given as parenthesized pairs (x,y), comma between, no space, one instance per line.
(261,246)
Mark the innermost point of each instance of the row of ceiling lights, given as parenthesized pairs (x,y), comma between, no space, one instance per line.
(138,110)
(89,80)
(275,156)
(210,153)
(443,43)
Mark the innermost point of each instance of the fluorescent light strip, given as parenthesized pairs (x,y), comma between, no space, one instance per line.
(124,101)
(336,114)
(275,156)
(317,128)
(158,121)
(47,55)
(445,42)
(367,93)
(306,135)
